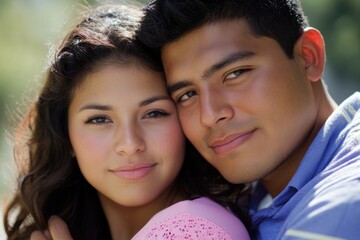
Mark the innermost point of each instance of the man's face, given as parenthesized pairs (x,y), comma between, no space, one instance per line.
(242,102)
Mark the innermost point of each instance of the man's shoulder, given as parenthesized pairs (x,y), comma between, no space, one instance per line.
(329,210)
(337,186)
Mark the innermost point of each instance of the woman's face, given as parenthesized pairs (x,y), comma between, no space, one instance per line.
(125,134)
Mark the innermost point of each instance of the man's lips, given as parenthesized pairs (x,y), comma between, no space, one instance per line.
(133,172)
(229,143)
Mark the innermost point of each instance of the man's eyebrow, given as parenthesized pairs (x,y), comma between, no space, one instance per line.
(227,60)
(174,87)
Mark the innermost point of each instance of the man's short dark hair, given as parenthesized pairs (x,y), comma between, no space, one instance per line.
(166,21)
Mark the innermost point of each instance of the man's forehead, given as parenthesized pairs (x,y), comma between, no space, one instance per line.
(206,49)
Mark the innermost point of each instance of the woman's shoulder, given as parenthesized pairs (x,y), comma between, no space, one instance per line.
(202,206)
(200,218)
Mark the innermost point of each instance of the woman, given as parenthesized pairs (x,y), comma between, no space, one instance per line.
(105,151)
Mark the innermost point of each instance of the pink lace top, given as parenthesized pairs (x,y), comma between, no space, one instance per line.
(201,218)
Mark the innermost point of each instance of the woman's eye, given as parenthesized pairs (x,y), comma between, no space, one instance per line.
(186,96)
(97,120)
(235,74)
(156,114)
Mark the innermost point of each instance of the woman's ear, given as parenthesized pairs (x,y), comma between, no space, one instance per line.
(311,49)
(72,154)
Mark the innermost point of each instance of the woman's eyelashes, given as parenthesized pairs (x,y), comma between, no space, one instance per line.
(158,113)
(103,119)
(97,120)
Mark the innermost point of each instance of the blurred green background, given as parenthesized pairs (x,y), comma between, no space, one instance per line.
(28,28)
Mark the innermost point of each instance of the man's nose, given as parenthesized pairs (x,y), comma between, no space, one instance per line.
(214,107)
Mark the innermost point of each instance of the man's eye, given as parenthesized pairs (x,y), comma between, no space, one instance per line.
(186,96)
(235,74)
(97,120)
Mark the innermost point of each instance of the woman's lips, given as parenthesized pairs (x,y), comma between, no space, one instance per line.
(231,142)
(134,172)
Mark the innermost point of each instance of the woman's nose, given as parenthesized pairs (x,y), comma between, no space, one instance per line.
(129,140)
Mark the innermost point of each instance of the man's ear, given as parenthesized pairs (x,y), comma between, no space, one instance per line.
(311,49)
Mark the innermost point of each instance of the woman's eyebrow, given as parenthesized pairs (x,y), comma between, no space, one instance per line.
(94,106)
(154,99)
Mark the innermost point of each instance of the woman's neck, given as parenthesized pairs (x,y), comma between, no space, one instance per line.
(124,222)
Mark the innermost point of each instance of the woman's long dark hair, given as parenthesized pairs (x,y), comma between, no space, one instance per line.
(50,181)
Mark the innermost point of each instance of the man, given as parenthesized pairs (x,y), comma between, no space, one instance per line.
(246,76)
